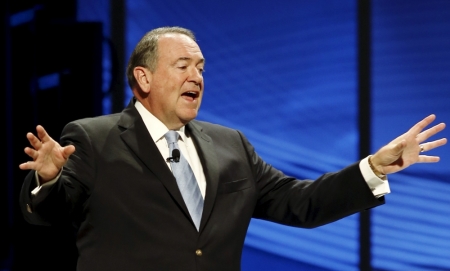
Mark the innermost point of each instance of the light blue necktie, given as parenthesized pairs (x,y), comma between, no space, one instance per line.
(186,180)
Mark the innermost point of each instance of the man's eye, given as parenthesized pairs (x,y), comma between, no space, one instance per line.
(182,67)
(201,70)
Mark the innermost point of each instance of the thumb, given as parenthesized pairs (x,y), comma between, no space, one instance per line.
(398,149)
(68,151)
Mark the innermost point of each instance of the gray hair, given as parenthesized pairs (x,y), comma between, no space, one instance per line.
(145,54)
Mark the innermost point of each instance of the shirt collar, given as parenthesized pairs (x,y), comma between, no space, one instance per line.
(155,127)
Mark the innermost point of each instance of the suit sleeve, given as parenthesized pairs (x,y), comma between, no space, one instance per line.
(62,202)
(308,203)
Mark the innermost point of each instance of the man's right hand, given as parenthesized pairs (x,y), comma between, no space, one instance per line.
(47,154)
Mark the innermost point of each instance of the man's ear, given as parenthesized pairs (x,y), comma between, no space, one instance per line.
(143,78)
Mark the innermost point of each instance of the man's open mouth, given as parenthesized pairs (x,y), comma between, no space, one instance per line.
(191,94)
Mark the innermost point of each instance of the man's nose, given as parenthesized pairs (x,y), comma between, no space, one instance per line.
(196,76)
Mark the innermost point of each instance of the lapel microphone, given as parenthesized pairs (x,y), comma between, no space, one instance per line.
(175,156)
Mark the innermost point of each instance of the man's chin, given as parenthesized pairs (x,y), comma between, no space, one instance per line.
(187,120)
(182,121)
(188,115)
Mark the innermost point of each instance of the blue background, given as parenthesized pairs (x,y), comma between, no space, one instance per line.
(286,74)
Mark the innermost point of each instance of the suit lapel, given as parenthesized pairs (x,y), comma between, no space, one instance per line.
(138,139)
(208,158)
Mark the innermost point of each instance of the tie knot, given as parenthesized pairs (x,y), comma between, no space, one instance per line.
(171,137)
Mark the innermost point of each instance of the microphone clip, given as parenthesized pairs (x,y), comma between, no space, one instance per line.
(175,156)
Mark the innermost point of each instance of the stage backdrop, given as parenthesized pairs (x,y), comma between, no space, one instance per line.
(285,73)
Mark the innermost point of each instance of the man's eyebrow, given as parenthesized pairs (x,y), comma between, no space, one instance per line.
(202,60)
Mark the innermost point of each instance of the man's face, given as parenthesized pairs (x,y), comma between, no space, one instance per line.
(176,88)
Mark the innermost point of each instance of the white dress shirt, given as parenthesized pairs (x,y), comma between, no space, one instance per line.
(157,130)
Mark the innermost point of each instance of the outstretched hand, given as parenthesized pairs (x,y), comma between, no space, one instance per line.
(47,154)
(408,148)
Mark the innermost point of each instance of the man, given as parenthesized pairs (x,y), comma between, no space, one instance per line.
(112,176)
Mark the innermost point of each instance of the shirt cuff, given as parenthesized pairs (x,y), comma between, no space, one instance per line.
(379,187)
(46,185)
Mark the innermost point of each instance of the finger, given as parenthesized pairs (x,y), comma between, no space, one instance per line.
(25,166)
(28,165)
(428,159)
(433,144)
(418,127)
(34,141)
(42,134)
(430,132)
(32,153)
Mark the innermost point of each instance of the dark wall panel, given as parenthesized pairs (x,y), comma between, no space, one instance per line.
(55,77)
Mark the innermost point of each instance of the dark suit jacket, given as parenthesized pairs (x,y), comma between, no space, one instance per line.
(130,215)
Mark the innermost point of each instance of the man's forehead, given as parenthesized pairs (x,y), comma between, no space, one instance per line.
(179,46)
(176,39)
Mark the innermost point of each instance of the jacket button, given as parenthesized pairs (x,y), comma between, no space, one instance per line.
(198,252)
(29,209)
